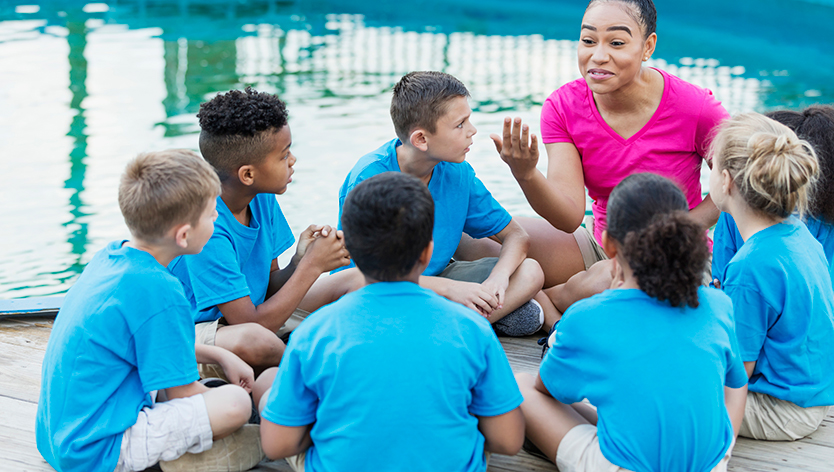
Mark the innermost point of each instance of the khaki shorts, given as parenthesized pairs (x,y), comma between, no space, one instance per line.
(206,332)
(772,419)
(469,271)
(579,452)
(164,432)
(296,462)
(590,249)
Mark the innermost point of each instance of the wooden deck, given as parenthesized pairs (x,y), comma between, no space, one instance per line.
(23,341)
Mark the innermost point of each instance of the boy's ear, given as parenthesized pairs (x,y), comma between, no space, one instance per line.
(418,139)
(181,233)
(246,174)
(425,256)
(609,245)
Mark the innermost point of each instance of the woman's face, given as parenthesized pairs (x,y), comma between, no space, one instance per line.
(611,47)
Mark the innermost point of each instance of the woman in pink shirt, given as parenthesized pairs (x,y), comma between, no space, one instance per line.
(620,118)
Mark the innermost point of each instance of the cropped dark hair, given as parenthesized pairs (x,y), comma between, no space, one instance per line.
(642,11)
(422,98)
(815,124)
(664,247)
(388,221)
(237,127)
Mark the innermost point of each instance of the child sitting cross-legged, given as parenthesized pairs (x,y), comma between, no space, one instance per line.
(392,376)
(120,388)
(778,280)
(431,119)
(655,353)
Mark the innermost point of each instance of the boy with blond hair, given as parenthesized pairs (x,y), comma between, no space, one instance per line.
(124,340)
(431,114)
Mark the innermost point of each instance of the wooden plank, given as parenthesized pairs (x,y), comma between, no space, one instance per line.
(36,306)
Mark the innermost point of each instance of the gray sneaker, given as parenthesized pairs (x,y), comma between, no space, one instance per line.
(523,321)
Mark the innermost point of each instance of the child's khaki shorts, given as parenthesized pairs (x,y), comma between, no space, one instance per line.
(772,419)
(579,452)
(165,432)
(590,249)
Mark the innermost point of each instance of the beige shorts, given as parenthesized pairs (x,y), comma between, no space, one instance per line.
(206,332)
(579,452)
(590,249)
(772,419)
(165,432)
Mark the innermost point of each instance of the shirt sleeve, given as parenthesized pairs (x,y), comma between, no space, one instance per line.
(726,242)
(215,273)
(712,114)
(291,402)
(496,392)
(753,317)
(484,216)
(553,126)
(165,349)
(562,370)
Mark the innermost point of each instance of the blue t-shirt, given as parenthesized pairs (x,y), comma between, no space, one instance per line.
(656,374)
(237,259)
(781,291)
(125,329)
(392,374)
(461,202)
(728,240)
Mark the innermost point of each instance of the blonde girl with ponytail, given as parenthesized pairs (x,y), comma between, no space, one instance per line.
(778,280)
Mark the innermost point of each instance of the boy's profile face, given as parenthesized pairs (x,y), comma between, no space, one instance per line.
(453,134)
(274,173)
(202,231)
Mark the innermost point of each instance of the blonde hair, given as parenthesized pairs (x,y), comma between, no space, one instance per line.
(161,189)
(771,167)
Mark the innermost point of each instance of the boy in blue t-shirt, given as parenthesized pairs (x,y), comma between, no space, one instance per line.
(431,118)
(125,337)
(241,295)
(392,375)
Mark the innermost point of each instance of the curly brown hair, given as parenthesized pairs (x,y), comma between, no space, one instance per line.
(666,249)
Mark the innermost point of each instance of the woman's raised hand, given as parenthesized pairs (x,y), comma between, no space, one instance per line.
(518,148)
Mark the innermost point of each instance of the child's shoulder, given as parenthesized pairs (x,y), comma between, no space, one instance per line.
(382,159)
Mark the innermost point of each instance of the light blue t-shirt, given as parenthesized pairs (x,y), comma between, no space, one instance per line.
(656,374)
(781,291)
(461,202)
(392,374)
(237,259)
(125,329)
(727,240)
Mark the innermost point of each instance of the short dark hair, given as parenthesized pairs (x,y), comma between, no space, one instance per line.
(421,99)
(664,247)
(642,11)
(388,221)
(236,127)
(815,124)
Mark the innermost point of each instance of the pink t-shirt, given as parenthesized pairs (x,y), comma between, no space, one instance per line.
(672,143)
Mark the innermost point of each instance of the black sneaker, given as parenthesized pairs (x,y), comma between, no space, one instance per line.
(534,451)
(523,321)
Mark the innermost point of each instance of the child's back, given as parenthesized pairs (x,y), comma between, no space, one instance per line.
(124,329)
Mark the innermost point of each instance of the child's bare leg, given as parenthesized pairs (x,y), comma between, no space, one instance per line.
(229,408)
(551,313)
(256,345)
(556,251)
(582,285)
(329,288)
(548,420)
(524,284)
(262,385)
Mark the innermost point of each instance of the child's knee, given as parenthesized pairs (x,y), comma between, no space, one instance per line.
(259,346)
(530,275)
(229,406)
(526,382)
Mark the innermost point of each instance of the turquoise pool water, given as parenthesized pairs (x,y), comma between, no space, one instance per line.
(86,86)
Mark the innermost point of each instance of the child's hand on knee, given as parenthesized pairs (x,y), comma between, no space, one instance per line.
(237,371)
(497,286)
(472,295)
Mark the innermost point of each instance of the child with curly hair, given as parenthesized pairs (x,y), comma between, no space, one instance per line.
(656,353)
(241,296)
(778,280)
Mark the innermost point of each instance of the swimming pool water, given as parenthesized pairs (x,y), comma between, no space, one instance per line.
(86,86)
